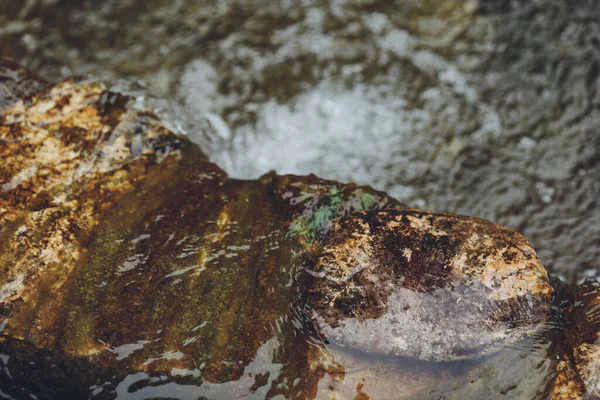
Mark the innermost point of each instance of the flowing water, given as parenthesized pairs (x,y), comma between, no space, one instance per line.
(485,108)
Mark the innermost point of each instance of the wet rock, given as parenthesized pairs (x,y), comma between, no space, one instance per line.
(122,246)
(132,267)
(579,370)
(17,83)
(425,285)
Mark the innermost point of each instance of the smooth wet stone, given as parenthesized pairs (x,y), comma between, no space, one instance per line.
(432,286)
(132,267)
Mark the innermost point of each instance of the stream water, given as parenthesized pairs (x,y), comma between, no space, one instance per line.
(484,108)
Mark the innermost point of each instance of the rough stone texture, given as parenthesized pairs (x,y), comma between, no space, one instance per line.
(426,285)
(63,157)
(579,373)
(17,83)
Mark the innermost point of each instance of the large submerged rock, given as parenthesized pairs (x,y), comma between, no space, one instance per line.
(132,267)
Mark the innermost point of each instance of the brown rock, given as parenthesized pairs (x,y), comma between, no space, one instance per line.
(427,285)
(578,376)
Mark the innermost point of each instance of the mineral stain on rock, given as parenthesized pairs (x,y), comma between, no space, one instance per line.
(481,284)
(132,267)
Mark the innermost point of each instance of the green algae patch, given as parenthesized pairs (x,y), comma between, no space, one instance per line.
(323,208)
(309,227)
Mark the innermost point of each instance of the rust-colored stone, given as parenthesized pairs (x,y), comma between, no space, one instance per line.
(451,284)
(132,266)
(578,375)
